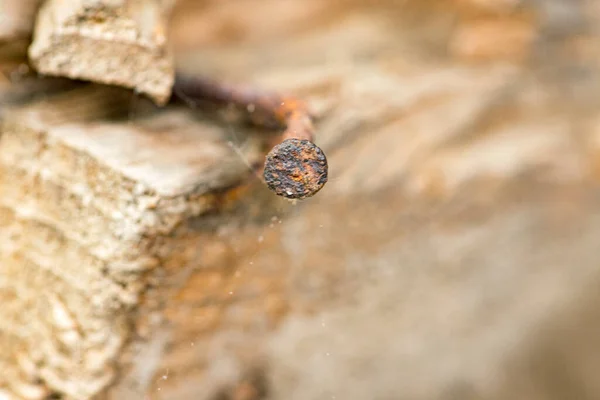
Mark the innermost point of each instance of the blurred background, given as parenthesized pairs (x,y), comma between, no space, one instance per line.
(453,254)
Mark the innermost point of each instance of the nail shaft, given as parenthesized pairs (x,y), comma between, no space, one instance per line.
(295,168)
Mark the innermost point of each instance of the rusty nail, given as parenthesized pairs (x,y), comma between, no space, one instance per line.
(295,168)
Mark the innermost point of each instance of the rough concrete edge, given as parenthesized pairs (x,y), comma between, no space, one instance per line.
(121,51)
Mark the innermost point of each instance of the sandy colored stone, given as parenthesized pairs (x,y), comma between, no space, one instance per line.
(451,255)
(486,300)
(96,229)
(492,40)
(120,43)
(461,201)
(17,19)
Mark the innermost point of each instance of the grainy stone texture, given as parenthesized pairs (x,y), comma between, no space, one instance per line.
(122,42)
(94,205)
(451,254)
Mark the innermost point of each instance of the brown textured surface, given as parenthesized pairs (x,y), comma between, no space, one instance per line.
(93,229)
(452,253)
(460,200)
(17,19)
(121,42)
(296,169)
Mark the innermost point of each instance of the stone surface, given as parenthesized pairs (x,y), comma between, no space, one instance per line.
(17,19)
(121,43)
(451,254)
(95,204)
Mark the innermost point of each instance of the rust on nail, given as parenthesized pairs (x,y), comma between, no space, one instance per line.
(295,168)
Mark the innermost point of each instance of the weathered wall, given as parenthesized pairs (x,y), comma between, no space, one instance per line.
(451,255)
